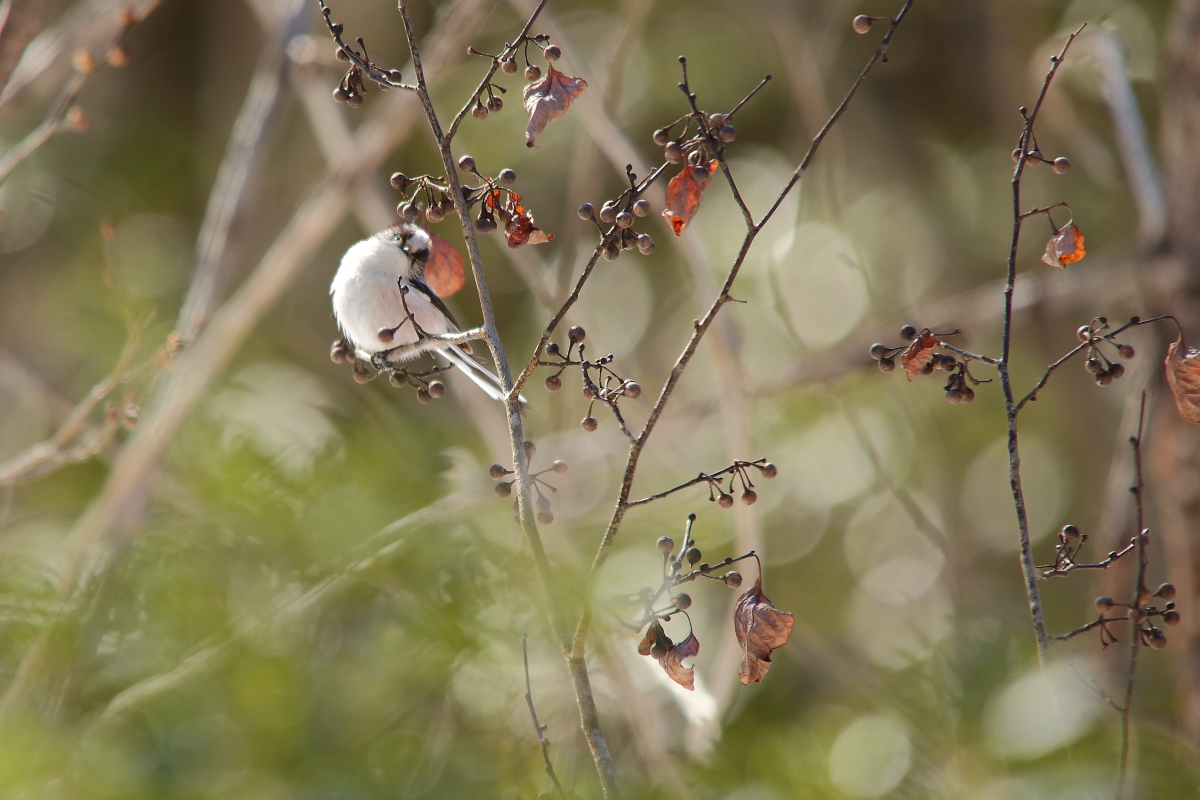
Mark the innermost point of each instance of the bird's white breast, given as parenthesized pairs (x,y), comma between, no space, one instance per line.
(366,297)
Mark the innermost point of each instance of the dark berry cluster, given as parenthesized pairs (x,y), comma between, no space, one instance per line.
(353,84)
(496,202)
(620,214)
(545,514)
(427,390)
(1142,615)
(737,472)
(924,352)
(1105,369)
(700,138)
(506,62)
(600,382)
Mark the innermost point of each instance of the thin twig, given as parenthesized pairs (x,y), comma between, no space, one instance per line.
(1140,595)
(538,728)
(704,477)
(1028,566)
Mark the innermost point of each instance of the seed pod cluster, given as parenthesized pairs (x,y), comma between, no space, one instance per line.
(1103,366)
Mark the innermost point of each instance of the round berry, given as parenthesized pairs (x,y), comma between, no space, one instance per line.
(1104,603)
(495,103)
(485,225)
(589,424)
(693,555)
(466,164)
(624,220)
(717,121)
(434,215)
(645,244)
(1116,370)
(666,545)
(769,470)
(1070,533)
(683,601)
(1083,333)
(1060,165)
(423,396)
(879,350)
(641,207)
(497,471)
(1094,365)
(673,152)
(479,112)
(861,24)
(553,52)
(436,389)
(545,517)
(1126,351)
(559,468)
(411,212)
(553,383)
(508,66)
(576,334)
(586,212)
(887,364)
(503,489)
(1166,592)
(749,497)
(725,500)
(532,73)
(612,251)
(608,213)
(661,137)
(633,389)
(733,579)
(1170,617)
(727,133)
(908,332)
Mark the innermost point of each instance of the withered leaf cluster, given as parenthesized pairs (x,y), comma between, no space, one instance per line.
(548,99)
(684,193)
(1065,247)
(1183,375)
(917,355)
(444,273)
(760,628)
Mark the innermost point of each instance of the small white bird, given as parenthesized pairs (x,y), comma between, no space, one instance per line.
(366,294)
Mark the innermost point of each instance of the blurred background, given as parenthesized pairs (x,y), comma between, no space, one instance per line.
(236,572)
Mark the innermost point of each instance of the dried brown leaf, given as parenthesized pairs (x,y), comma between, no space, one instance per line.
(760,628)
(1183,375)
(548,99)
(917,354)
(654,635)
(521,231)
(684,193)
(1065,247)
(444,273)
(672,662)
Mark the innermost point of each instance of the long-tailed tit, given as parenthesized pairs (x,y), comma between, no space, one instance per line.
(367,292)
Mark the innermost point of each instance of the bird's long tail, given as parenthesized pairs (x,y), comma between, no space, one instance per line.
(480,374)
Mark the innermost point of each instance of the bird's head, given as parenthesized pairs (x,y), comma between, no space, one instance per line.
(412,241)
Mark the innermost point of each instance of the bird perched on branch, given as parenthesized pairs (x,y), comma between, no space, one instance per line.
(377,279)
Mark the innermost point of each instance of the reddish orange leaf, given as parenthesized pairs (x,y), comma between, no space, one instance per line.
(917,355)
(444,272)
(520,230)
(684,193)
(672,662)
(760,628)
(1183,375)
(547,100)
(1065,247)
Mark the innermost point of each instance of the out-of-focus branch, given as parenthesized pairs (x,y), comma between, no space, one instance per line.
(63,116)
(242,155)
(86,25)
(20,23)
(1131,137)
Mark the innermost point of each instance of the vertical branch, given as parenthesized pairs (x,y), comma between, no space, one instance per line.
(576,663)
(1028,567)
(1140,592)
(538,728)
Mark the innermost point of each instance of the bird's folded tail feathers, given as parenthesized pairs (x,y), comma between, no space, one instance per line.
(480,374)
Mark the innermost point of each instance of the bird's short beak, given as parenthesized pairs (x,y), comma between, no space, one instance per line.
(404,247)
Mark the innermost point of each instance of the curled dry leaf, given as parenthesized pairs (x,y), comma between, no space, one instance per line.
(548,99)
(684,193)
(760,628)
(522,231)
(654,635)
(917,354)
(672,662)
(1065,247)
(1183,375)
(444,272)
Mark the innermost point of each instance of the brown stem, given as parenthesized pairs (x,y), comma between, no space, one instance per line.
(1028,566)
